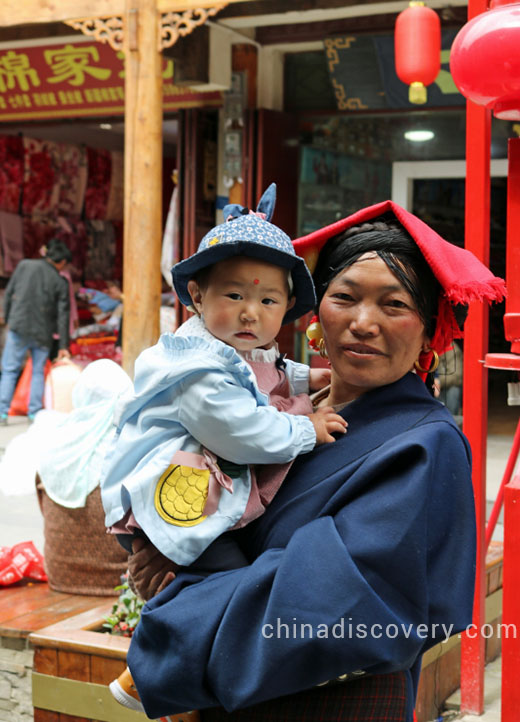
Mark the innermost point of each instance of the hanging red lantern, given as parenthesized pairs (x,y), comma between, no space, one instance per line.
(485,59)
(417,49)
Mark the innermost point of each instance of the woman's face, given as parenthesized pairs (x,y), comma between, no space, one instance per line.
(372,331)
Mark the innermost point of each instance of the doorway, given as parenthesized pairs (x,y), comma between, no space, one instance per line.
(435,191)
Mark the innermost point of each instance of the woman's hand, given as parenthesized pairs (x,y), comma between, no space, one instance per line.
(326,421)
(150,570)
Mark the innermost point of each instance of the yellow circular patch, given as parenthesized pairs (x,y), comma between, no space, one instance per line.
(180,495)
(214,241)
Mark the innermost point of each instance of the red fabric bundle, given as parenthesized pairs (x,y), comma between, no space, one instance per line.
(99,163)
(22,561)
(11,172)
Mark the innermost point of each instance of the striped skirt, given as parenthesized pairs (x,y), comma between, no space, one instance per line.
(376,698)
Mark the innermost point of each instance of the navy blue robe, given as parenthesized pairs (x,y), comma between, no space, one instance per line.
(369,544)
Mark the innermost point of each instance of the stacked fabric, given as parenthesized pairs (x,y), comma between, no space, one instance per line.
(61,190)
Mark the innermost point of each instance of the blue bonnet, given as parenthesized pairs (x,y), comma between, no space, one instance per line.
(246,233)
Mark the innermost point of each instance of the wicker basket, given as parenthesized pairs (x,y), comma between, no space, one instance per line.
(80,557)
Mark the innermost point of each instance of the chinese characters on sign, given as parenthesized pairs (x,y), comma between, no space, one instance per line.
(72,64)
(76,79)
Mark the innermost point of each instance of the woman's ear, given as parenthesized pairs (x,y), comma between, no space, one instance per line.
(196,295)
(426,343)
(290,303)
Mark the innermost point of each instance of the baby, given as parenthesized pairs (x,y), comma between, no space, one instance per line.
(216,398)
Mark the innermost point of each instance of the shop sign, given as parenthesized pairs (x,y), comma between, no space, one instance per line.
(362,72)
(76,78)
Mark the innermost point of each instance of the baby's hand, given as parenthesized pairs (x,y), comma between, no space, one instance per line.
(326,421)
(318,379)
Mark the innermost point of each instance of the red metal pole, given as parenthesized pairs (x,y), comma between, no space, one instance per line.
(511,569)
(510,466)
(512,316)
(511,603)
(475,396)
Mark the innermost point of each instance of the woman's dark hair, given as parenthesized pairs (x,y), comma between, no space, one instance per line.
(386,237)
(57,251)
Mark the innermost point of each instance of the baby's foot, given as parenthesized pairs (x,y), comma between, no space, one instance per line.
(124,691)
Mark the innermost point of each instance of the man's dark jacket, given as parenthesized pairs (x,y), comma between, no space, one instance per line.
(36,304)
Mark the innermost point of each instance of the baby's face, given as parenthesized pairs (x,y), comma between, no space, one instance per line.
(243,302)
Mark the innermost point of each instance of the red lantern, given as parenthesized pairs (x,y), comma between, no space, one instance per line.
(417,49)
(485,60)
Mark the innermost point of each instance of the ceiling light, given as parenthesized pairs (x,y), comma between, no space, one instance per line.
(105,126)
(418,136)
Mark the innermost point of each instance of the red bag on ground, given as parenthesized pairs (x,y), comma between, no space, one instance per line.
(22,561)
(20,401)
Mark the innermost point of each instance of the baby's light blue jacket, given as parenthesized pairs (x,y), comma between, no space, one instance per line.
(193,391)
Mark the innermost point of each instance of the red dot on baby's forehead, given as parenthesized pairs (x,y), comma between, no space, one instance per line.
(256,280)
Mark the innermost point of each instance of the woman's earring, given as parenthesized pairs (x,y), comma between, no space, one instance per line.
(321,348)
(433,366)
(314,334)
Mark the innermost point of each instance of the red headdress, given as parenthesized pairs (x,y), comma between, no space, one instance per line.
(462,276)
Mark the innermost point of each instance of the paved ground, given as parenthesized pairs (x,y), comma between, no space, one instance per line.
(20,518)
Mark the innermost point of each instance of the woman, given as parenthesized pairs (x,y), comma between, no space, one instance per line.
(365,559)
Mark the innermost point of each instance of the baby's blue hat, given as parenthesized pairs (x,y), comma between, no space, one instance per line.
(245,233)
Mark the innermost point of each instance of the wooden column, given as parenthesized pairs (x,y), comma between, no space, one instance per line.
(143,174)
(244,59)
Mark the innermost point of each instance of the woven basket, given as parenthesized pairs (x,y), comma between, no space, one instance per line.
(80,557)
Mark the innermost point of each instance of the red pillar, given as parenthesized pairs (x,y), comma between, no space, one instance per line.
(475,397)
(511,569)
(512,317)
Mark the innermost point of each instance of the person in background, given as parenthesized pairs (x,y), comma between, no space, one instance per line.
(73,310)
(36,306)
(449,375)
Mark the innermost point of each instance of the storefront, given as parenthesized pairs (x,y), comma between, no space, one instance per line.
(357,140)
(315,105)
(62,157)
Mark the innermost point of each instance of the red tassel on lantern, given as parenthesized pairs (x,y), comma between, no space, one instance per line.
(417,49)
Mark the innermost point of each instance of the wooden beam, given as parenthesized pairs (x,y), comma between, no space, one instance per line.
(168,6)
(143,180)
(15,12)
